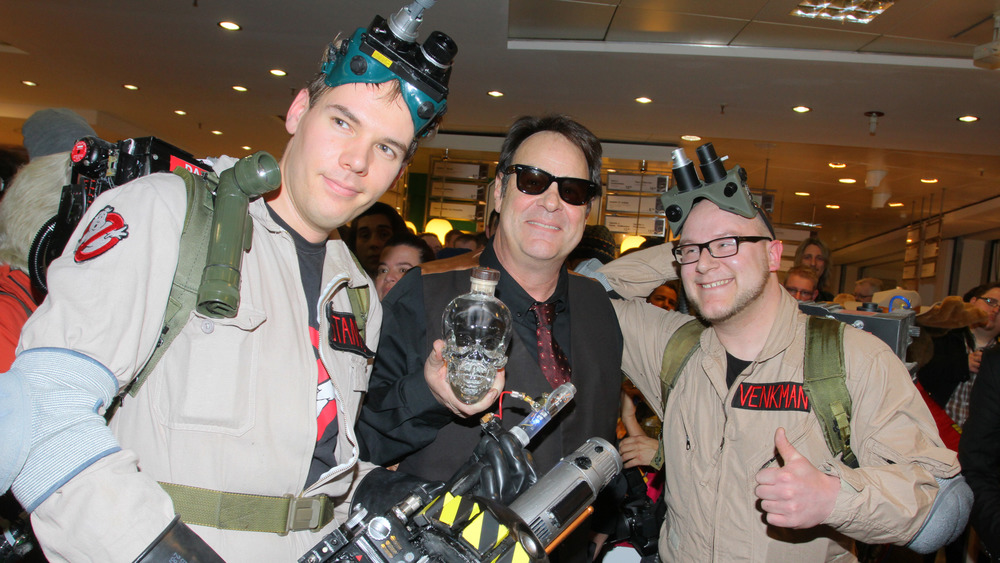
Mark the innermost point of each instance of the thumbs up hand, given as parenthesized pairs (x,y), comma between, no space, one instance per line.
(796,494)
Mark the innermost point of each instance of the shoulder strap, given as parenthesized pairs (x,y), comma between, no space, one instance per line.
(360,300)
(187,277)
(825,383)
(680,348)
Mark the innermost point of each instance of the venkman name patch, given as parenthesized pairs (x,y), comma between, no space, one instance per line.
(783,396)
(344,335)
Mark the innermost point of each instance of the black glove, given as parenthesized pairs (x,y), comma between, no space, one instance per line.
(507,469)
(381,489)
(178,543)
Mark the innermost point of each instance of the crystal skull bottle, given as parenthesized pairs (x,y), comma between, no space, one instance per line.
(477,330)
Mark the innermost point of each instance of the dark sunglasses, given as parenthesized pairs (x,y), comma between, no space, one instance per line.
(534,181)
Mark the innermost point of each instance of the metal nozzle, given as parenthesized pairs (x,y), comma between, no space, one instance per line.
(405,23)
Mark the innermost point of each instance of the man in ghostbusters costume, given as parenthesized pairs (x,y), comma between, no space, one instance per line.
(261,405)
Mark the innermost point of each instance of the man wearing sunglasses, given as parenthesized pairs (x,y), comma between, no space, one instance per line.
(749,474)
(949,375)
(548,178)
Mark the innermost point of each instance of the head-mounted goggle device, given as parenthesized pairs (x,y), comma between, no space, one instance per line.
(388,50)
(727,189)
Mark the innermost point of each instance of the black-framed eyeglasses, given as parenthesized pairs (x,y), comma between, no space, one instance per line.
(718,248)
(534,181)
(993,303)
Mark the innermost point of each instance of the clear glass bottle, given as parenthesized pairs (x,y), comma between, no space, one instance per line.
(477,331)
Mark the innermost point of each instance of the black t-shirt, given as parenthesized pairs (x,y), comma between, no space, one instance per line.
(311,256)
(734,367)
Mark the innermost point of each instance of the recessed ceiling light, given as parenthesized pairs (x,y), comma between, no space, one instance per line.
(216,132)
(692,138)
(239,88)
(246,147)
(909,240)
(29,83)
(968,119)
(180,112)
(801,109)
(643,100)
(929,180)
(230,26)
(802,193)
(896,204)
(130,87)
(847,180)
(832,206)
(611,171)
(495,93)
(278,72)
(837,165)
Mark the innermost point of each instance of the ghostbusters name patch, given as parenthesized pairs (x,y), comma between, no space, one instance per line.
(344,335)
(783,396)
(105,230)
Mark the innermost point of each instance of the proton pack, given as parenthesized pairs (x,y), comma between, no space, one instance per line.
(98,166)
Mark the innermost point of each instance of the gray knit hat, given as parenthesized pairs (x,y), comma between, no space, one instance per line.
(51,131)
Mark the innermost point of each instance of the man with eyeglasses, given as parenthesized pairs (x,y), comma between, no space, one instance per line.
(950,374)
(547,180)
(749,474)
(800,283)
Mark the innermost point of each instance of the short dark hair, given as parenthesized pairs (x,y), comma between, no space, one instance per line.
(378,208)
(526,126)
(979,291)
(414,242)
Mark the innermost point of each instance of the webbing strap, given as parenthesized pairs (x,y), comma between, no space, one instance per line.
(360,301)
(824,382)
(249,513)
(682,344)
(190,264)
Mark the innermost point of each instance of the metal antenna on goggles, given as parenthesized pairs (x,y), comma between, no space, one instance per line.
(405,23)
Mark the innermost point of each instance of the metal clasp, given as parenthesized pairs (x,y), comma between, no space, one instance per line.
(305,513)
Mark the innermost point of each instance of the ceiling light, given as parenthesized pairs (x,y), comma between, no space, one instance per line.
(216,132)
(692,138)
(495,93)
(611,171)
(847,180)
(802,193)
(130,87)
(230,26)
(895,204)
(29,83)
(180,112)
(808,224)
(854,11)
(837,165)
(968,119)
(246,147)
(832,206)
(929,180)
(239,88)
(801,109)
(278,72)
(643,100)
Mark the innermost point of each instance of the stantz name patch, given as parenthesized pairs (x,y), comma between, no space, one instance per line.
(344,335)
(782,396)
